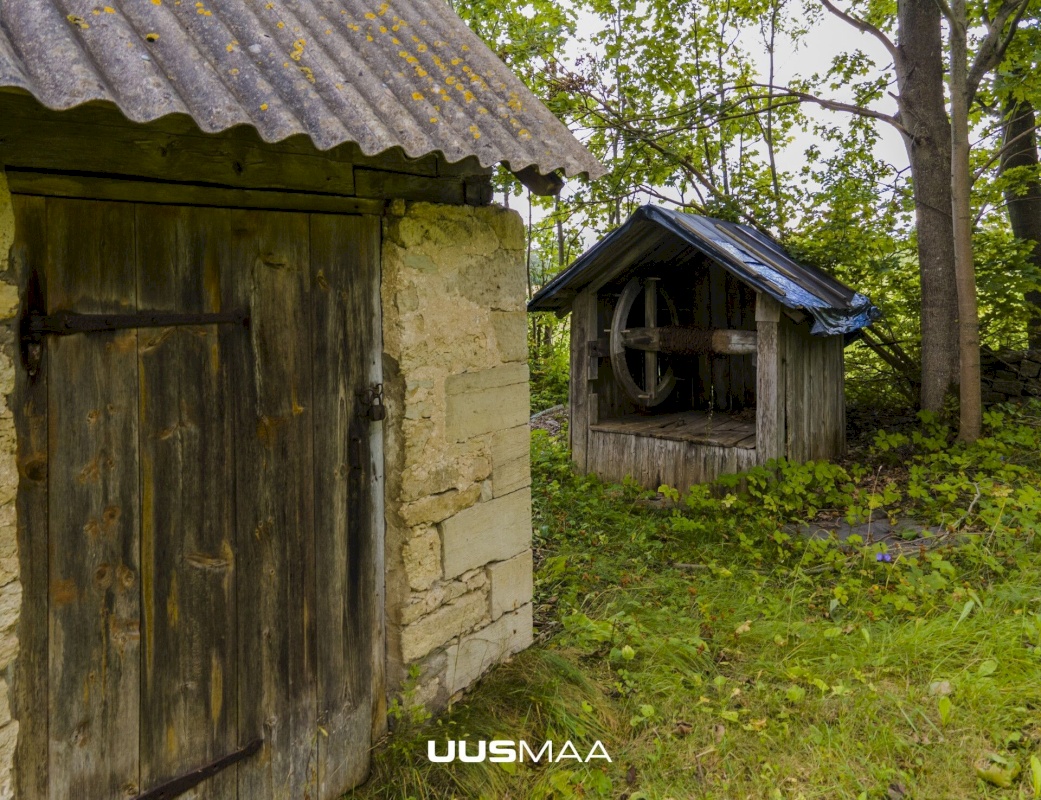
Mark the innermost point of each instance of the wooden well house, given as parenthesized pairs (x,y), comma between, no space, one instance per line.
(700,348)
(265,443)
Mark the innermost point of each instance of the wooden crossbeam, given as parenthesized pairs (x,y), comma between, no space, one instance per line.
(679,340)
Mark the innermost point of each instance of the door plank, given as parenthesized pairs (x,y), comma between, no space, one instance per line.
(189,686)
(346,328)
(93,507)
(269,272)
(29,699)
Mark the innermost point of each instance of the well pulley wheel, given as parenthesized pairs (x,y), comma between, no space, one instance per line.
(656,385)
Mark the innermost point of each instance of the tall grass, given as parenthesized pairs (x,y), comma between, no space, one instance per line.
(718,656)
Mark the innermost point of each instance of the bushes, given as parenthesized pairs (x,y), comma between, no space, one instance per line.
(548,359)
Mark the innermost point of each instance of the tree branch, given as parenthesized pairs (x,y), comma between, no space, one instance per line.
(992,49)
(835,105)
(1000,152)
(865,27)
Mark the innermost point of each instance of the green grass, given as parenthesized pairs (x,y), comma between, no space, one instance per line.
(717,656)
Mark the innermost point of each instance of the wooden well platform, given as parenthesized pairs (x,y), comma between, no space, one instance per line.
(697,427)
(674,449)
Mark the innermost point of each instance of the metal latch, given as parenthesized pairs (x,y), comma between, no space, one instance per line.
(372,403)
(181,785)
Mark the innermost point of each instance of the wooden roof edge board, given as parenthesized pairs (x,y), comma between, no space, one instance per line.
(17,104)
(91,187)
(794,287)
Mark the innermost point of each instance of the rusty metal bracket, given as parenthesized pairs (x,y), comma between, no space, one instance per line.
(37,323)
(179,786)
(67,323)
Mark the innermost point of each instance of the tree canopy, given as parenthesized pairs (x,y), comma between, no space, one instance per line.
(773,113)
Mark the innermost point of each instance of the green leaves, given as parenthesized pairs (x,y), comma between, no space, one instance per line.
(946,708)
(987,668)
(998,771)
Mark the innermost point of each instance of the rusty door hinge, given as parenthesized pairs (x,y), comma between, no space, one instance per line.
(37,323)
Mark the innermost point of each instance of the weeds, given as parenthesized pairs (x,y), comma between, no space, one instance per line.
(719,654)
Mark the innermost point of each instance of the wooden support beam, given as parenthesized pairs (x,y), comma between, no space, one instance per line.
(650,315)
(770,380)
(680,340)
(583,330)
(101,187)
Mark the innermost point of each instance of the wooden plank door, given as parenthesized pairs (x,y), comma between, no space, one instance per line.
(93,505)
(206,501)
(189,679)
(345,309)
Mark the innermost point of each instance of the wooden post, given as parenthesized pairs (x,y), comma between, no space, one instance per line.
(769,417)
(650,321)
(583,331)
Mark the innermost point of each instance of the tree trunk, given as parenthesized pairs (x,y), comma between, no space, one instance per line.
(971,410)
(1024,201)
(920,79)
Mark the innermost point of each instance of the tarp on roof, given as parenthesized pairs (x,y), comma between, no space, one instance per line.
(407,74)
(751,256)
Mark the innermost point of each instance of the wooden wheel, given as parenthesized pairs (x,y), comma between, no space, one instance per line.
(656,387)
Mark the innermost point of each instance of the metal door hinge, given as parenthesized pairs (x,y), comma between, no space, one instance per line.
(36,323)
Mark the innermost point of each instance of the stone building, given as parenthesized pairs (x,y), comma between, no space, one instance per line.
(264,440)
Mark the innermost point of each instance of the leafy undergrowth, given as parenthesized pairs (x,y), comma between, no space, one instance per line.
(718,655)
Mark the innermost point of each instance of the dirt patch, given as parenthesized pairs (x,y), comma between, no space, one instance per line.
(551,420)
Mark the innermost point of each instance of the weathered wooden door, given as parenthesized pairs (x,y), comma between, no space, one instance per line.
(202,502)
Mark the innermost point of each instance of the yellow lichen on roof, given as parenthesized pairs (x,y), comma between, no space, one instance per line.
(366,81)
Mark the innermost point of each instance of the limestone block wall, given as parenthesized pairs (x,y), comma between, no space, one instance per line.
(10,587)
(1010,376)
(458,494)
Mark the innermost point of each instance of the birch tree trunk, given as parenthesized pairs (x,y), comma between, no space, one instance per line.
(971,410)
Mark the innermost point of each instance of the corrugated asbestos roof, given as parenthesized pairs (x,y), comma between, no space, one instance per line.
(752,257)
(406,74)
